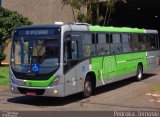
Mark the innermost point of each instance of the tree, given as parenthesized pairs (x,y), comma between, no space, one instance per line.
(74,4)
(110,4)
(92,16)
(77,5)
(9,20)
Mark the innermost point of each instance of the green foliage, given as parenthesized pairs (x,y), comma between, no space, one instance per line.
(2,55)
(9,20)
(101,20)
(156,88)
(92,16)
(76,5)
(83,18)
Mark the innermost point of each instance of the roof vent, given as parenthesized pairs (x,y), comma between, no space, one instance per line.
(59,23)
(83,24)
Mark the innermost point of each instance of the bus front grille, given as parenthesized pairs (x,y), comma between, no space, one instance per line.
(36,91)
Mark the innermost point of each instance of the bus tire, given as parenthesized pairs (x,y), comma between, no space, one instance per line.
(88,87)
(139,73)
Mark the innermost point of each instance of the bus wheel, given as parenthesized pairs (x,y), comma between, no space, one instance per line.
(139,73)
(88,88)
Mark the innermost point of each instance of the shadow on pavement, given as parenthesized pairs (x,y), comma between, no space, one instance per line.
(52,101)
(119,84)
(45,101)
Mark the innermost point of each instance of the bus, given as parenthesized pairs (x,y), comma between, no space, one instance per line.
(59,60)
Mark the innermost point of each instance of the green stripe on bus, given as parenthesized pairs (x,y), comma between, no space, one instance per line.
(118,65)
(115,29)
(41,83)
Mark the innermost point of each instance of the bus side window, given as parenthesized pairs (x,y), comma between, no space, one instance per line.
(74,50)
(143,42)
(146,42)
(157,41)
(102,45)
(136,44)
(152,41)
(88,44)
(126,42)
(70,49)
(67,51)
(116,43)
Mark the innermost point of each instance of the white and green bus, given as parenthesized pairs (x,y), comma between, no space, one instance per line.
(61,60)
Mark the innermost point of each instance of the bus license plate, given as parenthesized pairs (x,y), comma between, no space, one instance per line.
(30,93)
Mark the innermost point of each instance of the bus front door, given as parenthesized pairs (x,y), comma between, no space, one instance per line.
(71,60)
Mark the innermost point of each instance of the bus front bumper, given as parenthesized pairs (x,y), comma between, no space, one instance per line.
(55,91)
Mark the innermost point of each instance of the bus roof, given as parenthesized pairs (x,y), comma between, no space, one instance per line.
(39,26)
(82,27)
(120,29)
(151,31)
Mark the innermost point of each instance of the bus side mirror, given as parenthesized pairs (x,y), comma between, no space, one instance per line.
(6,37)
(5,40)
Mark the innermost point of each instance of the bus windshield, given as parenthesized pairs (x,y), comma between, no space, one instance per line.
(35,55)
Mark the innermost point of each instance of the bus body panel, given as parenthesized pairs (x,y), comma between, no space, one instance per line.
(152,60)
(74,78)
(97,67)
(123,64)
(139,57)
(109,67)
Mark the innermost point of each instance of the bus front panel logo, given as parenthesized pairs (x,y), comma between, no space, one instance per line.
(35,67)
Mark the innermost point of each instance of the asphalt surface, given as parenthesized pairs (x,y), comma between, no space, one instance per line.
(126,95)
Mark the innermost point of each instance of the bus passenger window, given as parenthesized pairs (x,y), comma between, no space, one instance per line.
(102,45)
(136,44)
(157,41)
(126,43)
(86,51)
(116,45)
(146,43)
(152,41)
(88,45)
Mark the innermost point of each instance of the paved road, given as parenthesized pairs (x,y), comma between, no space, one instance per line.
(126,95)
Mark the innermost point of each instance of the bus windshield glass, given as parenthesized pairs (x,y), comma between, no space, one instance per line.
(35,55)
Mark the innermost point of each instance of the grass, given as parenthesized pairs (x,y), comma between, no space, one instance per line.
(4,75)
(156,88)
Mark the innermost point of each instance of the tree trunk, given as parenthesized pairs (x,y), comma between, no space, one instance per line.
(73,14)
(91,13)
(105,17)
(109,15)
(97,14)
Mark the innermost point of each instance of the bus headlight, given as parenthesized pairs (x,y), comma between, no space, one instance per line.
(56,80)
(55,91)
